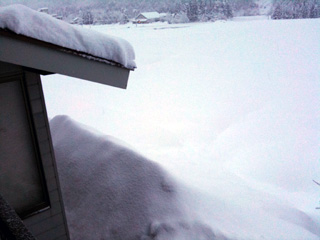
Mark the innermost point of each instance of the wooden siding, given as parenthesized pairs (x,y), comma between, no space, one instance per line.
(51,224)
(48,223)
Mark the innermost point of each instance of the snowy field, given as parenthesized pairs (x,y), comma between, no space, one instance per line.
(229,108)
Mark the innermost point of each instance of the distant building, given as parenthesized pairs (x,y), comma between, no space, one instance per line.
(76,20)
(148,17)
(56,16)
(44,10)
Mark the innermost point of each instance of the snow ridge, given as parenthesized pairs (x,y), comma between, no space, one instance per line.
(111,192)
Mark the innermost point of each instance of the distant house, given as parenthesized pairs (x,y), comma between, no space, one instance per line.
(148,17)
(56,16)
(29,180)
(44,10)
(76,20)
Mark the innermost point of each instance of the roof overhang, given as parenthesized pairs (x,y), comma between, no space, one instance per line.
(49,58)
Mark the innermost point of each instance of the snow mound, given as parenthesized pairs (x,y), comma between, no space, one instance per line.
(111,192)
(41,26)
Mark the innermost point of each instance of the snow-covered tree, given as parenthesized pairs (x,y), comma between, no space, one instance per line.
(87,17)
(119,11)
(193,11)
(290,9)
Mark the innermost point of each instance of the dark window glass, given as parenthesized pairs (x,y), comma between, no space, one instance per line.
(20,178)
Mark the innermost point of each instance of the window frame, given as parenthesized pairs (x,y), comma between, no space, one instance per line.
(45,204)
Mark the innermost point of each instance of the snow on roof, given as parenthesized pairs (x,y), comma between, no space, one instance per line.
(44,9)
(151,15)
(25,21)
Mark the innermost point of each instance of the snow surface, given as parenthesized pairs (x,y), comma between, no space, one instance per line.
(229,108)
(111,192)
(25,21)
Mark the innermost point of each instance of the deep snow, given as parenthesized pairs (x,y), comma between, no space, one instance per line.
(111,192)
(228,108)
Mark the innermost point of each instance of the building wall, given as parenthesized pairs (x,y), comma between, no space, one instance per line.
(48,223)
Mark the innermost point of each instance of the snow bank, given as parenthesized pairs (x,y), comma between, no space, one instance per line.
(110,192)
(25,21)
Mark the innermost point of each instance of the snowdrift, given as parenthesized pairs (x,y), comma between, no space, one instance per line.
(111,192)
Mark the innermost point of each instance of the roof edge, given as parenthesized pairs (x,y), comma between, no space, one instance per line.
(49,58)
(9,33)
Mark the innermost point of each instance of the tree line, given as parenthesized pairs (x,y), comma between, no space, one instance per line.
(121,11)
(178,11)
(292,9)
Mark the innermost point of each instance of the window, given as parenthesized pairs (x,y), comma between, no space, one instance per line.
(21,179)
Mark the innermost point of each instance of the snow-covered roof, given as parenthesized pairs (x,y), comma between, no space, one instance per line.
(25,21)
(44,9)
(150,15)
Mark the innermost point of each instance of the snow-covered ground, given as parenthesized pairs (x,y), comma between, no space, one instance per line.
(229,108)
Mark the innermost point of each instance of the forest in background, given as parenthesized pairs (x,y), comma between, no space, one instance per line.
(292,9)
(178,11)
